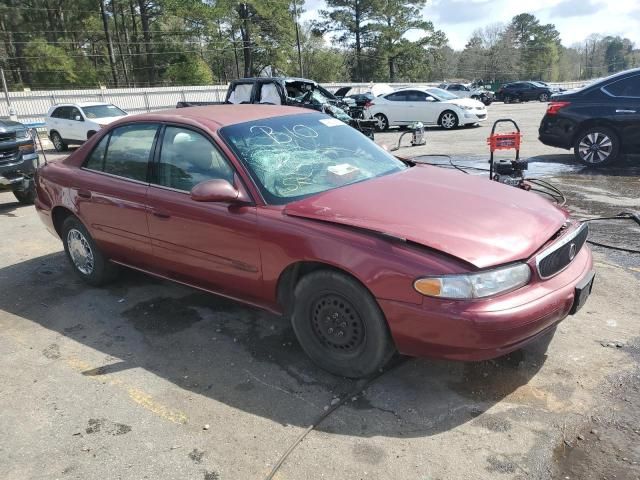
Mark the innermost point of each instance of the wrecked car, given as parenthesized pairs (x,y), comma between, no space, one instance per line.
(297,92)
(294,212)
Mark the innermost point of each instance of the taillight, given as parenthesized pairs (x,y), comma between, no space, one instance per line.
(555,107)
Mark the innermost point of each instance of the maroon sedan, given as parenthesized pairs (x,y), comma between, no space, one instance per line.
(297,213)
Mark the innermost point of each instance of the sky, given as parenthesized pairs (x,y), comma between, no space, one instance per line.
(574,19)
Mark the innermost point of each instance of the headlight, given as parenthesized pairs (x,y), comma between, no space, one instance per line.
(475,285)
(22,134)
(466,107)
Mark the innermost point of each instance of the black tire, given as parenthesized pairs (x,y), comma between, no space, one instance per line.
(487,102)
(606,152)
(340,326)
(448,120)
(544,97)
(28,196)
(382,122)
(507,99)
(58,143)
(78,241)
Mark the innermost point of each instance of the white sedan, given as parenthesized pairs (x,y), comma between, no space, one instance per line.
(431,106)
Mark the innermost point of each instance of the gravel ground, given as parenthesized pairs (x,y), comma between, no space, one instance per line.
(149,379)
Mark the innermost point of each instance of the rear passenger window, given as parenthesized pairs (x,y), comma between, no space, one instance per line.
(96,159)
(125,152)
(60,112)
(628,87)
(397,97)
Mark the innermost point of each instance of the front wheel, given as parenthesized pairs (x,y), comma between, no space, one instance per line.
(382,122)
(448,120)
(87,260)
(597,147)
(544,97)
(507,99)
(340,325)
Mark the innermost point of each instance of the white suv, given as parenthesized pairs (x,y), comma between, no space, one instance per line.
(74,123)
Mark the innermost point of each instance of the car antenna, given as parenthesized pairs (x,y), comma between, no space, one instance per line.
(39,141)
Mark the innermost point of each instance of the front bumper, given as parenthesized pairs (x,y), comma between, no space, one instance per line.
(473,116)
(15,170)
(489,328)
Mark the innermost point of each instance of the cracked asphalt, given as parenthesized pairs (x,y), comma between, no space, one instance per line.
(146,379)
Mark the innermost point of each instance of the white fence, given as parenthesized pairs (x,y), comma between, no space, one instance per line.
(31,107)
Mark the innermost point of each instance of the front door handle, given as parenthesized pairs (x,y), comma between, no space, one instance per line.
(625,111)
(160,214)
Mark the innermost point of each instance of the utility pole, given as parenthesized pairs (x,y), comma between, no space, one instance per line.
(12,112)
(295,19)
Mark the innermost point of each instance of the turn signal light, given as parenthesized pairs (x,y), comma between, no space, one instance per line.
(27,148)
(555,107)
(429,286)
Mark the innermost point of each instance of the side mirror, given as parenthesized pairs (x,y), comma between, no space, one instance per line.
(78,118)
(217,190)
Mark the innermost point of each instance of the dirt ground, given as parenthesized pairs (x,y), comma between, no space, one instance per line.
(146,379)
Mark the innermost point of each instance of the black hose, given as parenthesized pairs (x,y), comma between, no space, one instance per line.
(354,393)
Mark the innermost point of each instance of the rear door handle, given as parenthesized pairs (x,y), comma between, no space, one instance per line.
(625,111)
(160,214)
(84,193)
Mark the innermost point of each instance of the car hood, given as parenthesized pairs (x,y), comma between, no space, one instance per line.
(472,218)
(342,91)
(469,102)
(10,126)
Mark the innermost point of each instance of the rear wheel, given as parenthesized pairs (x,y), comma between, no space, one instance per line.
(58,143)
(597,147)
(86,258)
(382,122)
(544,97)
(448,120)
(340,326)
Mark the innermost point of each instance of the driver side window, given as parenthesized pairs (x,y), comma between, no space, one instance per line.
(188,158)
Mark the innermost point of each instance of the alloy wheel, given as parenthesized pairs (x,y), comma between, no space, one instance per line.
(381,122)
(448,120)
(595,147)
(80,251)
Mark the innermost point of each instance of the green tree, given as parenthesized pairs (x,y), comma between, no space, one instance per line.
(191,70)
(57,70)
(350,19)
(391,21)
(538,44)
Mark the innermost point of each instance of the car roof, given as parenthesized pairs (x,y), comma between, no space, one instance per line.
(218,116)
(81,104)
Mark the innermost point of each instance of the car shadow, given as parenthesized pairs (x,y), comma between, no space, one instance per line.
(250,360)
(8,209)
